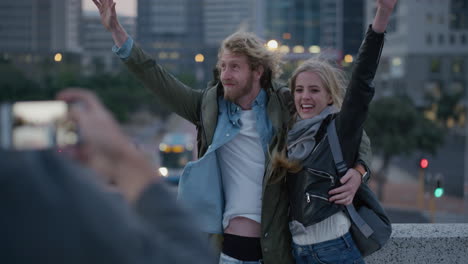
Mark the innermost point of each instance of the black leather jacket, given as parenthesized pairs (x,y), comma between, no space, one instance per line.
(308,189)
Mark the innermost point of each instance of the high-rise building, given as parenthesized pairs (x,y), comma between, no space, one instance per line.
(426,51)
(171,31)
(40,26)
(36,34)
(354,25)
(334,25)
(293,22)
(97,43)
(222,18)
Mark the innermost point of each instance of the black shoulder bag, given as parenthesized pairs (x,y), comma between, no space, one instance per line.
(370,226)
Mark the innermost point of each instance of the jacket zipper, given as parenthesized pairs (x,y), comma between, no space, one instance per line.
(308,195)
(323,174)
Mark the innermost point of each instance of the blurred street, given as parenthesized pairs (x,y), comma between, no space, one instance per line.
(402,197)
(400,192)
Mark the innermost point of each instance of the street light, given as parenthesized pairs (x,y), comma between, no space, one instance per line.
(439,190)
(298,49)
(284,49)
(163,55)
(396,61)
(423,164)
(58,57)
(314,49)
(272,44)
(199,58)
(199,71)
(348,58)
(286,35)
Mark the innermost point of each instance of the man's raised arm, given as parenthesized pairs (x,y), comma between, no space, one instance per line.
(110,21)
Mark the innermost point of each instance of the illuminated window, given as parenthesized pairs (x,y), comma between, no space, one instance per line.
(457,66)
(429,18)
(435,65)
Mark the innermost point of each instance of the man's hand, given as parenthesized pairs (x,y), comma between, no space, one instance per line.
(110,21)
(104,147)
(345,193)
(107,12)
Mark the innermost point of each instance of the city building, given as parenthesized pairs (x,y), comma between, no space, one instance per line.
(426,53)
(97,43)
(171,31)
(37,32)
(222,18)
(328,24)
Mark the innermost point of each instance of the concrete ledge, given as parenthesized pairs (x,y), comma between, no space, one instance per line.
(424,243)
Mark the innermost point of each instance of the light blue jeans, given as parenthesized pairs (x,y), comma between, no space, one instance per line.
(342,250)
(225,259)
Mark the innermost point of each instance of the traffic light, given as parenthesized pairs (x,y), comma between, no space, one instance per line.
(423,163)
(439,190)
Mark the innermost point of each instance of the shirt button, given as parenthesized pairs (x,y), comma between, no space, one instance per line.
(227,135)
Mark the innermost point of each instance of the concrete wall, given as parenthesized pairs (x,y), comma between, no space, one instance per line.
(424,243)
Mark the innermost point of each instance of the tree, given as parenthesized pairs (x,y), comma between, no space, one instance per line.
(395,127)
(448,106)
(15,86)
(121,92)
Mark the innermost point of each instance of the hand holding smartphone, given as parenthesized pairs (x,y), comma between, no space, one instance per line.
(36,125)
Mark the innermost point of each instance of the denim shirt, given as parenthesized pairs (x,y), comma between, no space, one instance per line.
(124,51)
(200,186)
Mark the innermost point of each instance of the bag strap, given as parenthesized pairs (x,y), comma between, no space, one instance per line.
(334,142)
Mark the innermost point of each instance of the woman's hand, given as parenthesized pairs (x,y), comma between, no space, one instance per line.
(387,5)
(345,193)
(382,17)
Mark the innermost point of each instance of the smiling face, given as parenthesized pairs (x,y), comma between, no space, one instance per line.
(310,95)
(237,77)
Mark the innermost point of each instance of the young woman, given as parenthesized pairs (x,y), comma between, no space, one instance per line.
(319,227)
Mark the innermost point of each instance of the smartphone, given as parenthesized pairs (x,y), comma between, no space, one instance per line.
(36,125)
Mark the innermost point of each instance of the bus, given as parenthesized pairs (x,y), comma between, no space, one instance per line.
(175,151)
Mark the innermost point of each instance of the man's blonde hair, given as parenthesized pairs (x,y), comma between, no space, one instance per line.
(247,43)
(332,77)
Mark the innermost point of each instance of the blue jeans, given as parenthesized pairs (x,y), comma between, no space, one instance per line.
(342,250)
(225,259)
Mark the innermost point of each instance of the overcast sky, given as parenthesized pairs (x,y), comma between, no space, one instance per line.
(124,7)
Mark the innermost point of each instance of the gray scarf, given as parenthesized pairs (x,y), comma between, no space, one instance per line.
(301,137)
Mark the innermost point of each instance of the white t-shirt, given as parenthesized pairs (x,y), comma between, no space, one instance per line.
(242,163)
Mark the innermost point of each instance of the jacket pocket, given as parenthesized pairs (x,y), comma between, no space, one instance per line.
(315,204)
(322,174)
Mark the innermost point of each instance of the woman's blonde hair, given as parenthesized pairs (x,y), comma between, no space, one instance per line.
(334,82)
(246,43)
(332,77)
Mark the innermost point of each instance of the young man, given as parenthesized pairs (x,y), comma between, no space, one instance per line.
(241,121)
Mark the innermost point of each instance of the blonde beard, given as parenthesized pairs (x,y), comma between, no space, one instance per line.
(234,95)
